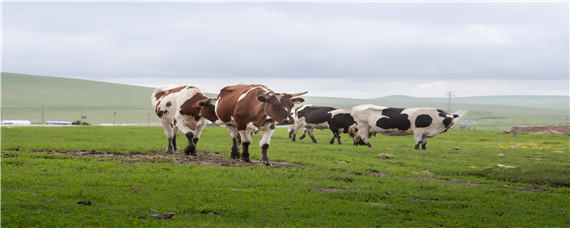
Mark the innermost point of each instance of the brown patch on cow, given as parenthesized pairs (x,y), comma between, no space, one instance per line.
(168,104)
(204,158)
(159,112)
(249,108)
(159,95)
(178,89)
(191,106)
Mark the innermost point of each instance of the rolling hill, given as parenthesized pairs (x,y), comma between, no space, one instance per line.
(41,98)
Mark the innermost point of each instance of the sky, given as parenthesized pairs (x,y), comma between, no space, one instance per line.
(338,49)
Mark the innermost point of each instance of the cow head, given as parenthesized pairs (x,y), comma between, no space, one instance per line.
(353,132)
(448,119)
(208,110)
(278,106)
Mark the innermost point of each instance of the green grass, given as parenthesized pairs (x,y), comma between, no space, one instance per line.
(322,184)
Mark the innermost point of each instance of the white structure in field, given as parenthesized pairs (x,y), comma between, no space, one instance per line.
(16,122)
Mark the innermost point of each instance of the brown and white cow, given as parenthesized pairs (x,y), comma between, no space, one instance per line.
(185,108)
(245,109)
(423,123)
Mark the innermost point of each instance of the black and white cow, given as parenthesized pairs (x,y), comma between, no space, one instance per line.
(423,123)
(317,117)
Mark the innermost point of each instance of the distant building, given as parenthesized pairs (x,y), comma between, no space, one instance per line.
(16,122)
(51,122)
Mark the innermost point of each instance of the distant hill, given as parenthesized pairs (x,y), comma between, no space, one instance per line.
(548,102)
(41,98)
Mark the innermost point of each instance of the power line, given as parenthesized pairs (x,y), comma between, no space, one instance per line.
(449,95)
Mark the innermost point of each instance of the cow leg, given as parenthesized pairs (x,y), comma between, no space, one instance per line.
(424,143)
(189,126)
(336,135)
(264,144)
(418,137)
(170,135)
(245,141)
(332,139)
(310,131)
(304,134)
(191,147)
(198,131)
(293,138)
(235,144)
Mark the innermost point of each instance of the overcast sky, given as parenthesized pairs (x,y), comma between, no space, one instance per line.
(341,49)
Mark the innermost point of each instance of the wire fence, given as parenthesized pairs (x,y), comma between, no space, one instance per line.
(93,116)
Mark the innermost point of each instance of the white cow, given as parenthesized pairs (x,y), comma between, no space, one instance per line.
(185,108)
(423,123)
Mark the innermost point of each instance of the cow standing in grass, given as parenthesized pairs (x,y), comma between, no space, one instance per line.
(185,108)
(245,109)
(318,117)
(423,123)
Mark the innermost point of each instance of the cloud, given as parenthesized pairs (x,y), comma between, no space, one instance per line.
(351,47)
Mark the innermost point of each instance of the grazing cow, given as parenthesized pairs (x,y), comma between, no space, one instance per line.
(245,109)
(185,108)
(423,123)
(317,117)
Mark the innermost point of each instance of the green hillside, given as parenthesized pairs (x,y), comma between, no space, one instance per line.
(39,98)
(26,96)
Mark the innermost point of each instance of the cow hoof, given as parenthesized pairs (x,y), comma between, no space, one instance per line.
(248,160)
(190,151)
(235,155)
(266,163)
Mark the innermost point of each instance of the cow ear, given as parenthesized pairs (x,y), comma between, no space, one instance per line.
(262,98)
(455,115)
(298,100)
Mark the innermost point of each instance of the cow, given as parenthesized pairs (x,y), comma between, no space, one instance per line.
(245,109)
(423,123)
(318,117)
(185,108)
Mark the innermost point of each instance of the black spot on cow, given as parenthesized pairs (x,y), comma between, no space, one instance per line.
(447,121)
(423,120)
(316,114)
(341,120)
(442,113)
(394,119)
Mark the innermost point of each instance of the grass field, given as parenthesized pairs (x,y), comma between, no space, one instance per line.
(125,175)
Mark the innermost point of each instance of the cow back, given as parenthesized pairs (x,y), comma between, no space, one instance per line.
(229,97)
(315,114)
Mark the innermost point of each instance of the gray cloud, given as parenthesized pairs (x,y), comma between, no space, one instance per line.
(400,43)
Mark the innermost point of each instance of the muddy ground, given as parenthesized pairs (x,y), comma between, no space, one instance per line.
(203,158)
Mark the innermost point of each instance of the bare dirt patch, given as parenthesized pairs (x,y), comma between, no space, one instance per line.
(204,158)
(331,189)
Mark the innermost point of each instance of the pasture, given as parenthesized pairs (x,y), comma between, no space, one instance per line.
(126,177)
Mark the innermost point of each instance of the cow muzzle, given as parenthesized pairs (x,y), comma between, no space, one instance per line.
(286,121)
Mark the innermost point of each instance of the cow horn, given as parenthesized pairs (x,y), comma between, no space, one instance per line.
(298,94)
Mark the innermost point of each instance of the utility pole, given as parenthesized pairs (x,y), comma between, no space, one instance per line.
(449,95)
(114,117)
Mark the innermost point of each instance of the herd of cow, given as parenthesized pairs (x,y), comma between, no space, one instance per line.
(247,109)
